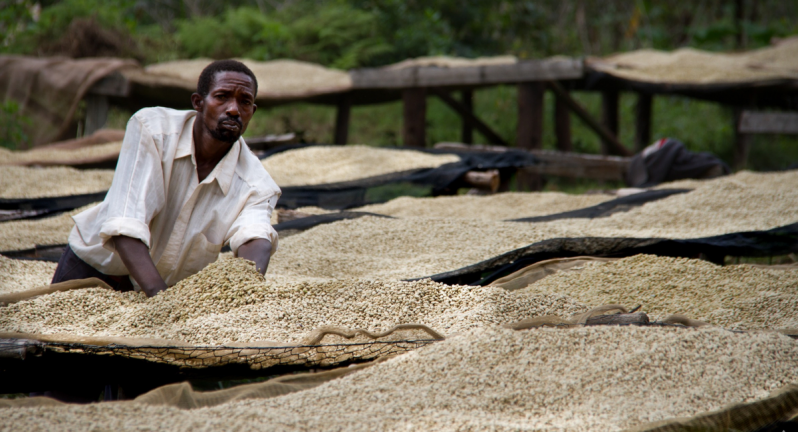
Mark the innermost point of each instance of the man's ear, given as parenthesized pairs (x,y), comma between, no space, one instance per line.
(197,101)
(254,108)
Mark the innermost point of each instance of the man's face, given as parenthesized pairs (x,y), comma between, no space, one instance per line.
(229,106)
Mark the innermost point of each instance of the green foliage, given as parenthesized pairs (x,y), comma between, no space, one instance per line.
(41,36)
(14,17)
(12,123)
(355,33)
(243,32)
(336,35)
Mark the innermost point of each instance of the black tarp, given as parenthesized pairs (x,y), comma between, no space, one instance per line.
(51,204)
(337,196)
(443,179)
(309,222)
(778,241)
(608,208)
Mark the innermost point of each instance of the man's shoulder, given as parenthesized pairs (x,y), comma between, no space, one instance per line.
(161,120)
(252,172)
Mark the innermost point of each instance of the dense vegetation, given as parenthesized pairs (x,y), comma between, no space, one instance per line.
(356,33)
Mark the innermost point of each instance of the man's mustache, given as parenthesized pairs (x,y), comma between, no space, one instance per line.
(231,119)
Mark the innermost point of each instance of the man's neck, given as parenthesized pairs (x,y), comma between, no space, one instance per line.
(208,151)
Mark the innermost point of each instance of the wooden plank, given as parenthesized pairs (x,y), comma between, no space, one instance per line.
(414,102)
(483,180)
(378,78)
(609,116)
(467,132)
(557,163)
(114,84)
(465,113)
(768,122)
(576,165)
(614,145)
(534,70)
(643,121)
(342,119)
(96,113)
(523,71)
(437,77)
(562,126)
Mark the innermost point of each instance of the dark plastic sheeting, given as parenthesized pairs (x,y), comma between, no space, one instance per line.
(607,208)
(52,205)
(442,179)
(778,241)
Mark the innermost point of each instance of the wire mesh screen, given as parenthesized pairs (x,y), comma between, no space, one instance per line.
(197,357)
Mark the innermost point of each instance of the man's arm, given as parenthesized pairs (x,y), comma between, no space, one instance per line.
(136,257)
(258,251)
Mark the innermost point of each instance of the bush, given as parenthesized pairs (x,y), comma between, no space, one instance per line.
(12,132)
(332,35)
(79,28)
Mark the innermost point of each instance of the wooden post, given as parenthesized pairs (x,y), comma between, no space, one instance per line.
(562,125)
(643,121)
(616,147)
(742,142)
(609,116)
(467,135)
(342,119)
(529,131)
(96,113)
(415,116)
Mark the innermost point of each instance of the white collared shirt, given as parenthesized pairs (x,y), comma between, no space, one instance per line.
(156,197)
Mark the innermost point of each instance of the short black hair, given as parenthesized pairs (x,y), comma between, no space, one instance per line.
(209,73)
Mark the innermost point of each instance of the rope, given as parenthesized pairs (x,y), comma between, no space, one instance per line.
(317,335)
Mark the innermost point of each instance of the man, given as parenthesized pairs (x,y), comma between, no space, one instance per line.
(184,186)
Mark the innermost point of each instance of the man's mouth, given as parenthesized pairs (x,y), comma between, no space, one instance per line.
(230,124)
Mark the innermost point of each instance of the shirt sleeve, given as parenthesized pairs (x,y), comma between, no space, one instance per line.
(254,222)
(137,191)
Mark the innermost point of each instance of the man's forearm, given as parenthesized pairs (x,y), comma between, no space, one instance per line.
(258,251)
(136,257)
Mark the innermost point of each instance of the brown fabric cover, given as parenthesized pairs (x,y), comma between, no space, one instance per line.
(48,89)
(102,136)
(535,272)
(49,289)
(780,405)
(183,396)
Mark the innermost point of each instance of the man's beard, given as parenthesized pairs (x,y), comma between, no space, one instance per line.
(226,135)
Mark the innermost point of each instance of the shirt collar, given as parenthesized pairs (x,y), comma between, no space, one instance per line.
(226,168)
(224,171)
(185,145)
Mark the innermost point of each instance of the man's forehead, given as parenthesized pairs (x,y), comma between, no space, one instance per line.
(229,79)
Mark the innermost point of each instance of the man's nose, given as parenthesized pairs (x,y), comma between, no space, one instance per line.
(232,109)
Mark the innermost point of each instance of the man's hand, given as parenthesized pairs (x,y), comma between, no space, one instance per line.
(136,257)
(258,251)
